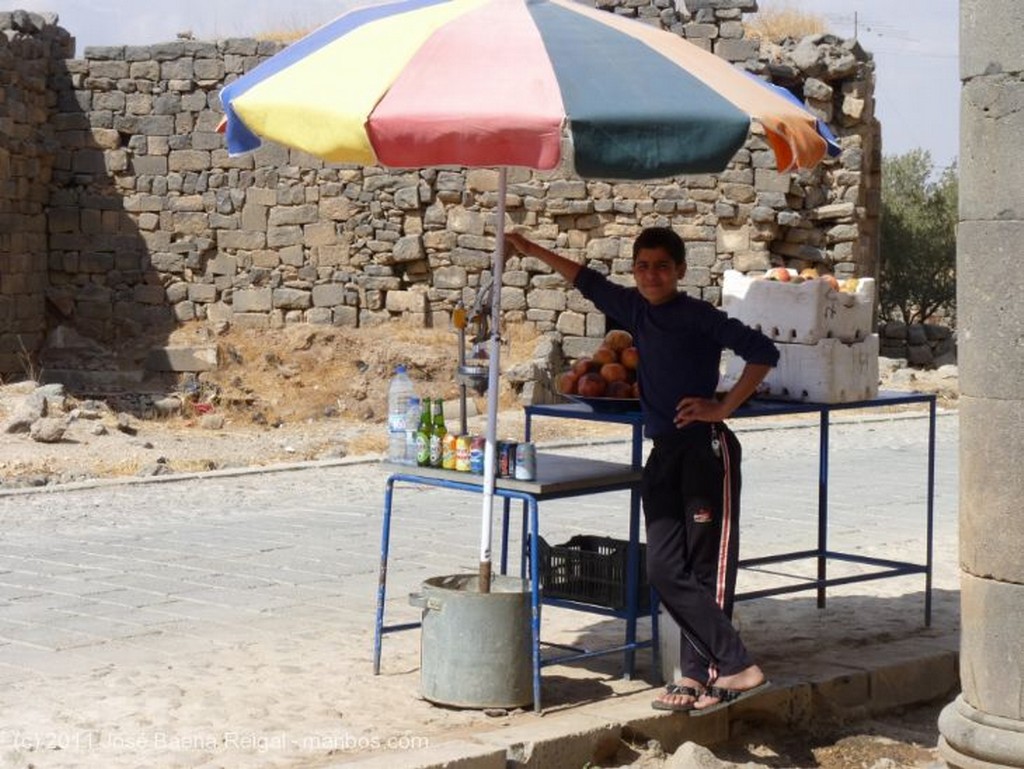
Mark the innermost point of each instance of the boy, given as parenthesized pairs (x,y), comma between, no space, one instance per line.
(691,481)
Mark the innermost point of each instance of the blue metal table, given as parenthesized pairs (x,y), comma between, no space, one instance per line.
(821,553)
(558,477)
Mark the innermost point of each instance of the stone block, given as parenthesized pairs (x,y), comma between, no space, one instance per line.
(346,316)
(572,740)
(992,644)
(406,301)
(188,160)
(336,209)
(245,240)
(545,299)
(640,723)
(450,278)
(571,324)
(408,249)
(182,359)
(202,293)
(989,38)
(285,215)
(278,237)
(900,679)
(328,295)
(989,178)
(252,300)
(513,298)
(738,50)
(768,180)
(452,754)
(985,252)
(574,347)
(291,298)
(461,220)
(320,234)
(990,532)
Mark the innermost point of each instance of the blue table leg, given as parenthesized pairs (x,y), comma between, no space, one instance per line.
(822,506)
(505,501)
(633,560)
(535,601)
(931,515)
(382,575)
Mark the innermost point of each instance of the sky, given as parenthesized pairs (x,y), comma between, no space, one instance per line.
(914,42)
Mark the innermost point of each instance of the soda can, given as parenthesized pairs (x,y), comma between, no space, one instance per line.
(448,449)
(526,462)
(506,459)
(462,453)
(477,446)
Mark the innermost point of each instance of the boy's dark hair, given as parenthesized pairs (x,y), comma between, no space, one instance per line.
(664,238)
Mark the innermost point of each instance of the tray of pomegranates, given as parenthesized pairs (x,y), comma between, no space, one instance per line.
(606,380)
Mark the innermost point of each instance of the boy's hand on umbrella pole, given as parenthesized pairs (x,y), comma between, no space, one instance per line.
(692,409)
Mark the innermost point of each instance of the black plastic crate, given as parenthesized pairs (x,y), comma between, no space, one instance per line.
(591,569)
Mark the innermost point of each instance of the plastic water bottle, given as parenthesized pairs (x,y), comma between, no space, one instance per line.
(399,391)
(412,421)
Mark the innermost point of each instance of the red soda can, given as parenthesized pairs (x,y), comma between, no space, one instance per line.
(506,459)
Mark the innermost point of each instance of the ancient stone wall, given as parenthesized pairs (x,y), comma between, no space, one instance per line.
(31,50)
(151,223)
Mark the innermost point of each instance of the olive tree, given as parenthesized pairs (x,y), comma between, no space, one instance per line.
(917,279)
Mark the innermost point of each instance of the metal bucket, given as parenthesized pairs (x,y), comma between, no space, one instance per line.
(475,648)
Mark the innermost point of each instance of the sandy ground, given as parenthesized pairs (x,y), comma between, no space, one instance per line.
(312,685)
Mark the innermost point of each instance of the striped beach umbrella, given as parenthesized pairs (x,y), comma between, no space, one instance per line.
(533,83)
(541,84)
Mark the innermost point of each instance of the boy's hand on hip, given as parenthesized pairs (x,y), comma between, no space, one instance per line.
(692,409)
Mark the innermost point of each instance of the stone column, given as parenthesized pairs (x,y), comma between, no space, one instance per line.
(984,727)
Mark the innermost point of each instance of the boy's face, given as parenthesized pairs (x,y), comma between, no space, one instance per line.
(656,275)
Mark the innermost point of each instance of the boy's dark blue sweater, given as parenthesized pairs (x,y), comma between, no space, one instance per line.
(680,344)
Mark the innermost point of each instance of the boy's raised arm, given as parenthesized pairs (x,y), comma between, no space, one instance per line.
(567,268)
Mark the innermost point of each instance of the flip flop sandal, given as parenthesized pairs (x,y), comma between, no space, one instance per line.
(727,697)
(675,689)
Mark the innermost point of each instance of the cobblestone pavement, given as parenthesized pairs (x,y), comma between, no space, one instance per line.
(227,619)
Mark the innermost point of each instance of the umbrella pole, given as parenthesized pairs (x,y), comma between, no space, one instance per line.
(493,372)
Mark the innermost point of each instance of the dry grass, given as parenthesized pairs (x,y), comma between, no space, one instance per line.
(282,35)
(304,373)
(779,22)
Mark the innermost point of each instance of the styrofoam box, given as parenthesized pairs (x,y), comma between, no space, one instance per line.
(830,371)
(799,313)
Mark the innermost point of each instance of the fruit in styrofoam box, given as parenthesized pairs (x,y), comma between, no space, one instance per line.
(831,281)
(591,386)
(850,285)
(780,274)
(830,371)
(799,313)
(618,340)
(809,273)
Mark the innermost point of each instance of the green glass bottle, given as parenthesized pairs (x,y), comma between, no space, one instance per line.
(423,436)
(437,434)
